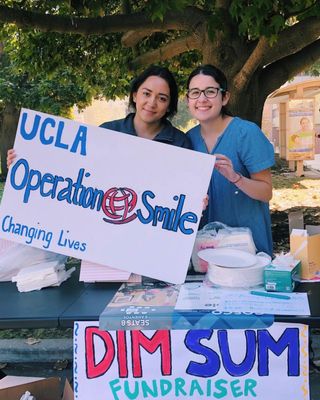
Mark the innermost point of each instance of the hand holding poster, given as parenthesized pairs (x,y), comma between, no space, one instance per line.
(264,364)
(109,198)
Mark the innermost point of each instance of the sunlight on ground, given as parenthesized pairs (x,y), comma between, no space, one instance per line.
(302,192)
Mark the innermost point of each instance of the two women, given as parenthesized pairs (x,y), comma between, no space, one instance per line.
(241,186)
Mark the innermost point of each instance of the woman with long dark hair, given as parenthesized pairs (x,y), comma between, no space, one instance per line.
(153,99)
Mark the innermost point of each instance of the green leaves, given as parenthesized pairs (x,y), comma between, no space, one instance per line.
(216,22)
(268,18)
(315,69)
(157,9)
(51,72)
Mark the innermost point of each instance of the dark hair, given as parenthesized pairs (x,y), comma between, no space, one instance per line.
(217,75)
(163,73)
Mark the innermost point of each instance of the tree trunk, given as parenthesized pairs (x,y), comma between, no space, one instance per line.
(248,105)
(249,102)
(10,117)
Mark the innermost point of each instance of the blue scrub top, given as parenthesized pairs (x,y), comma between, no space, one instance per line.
(251,152)
(168,134)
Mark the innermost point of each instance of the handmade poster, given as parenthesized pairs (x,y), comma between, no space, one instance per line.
(301,134)
(264,364)
(103,196)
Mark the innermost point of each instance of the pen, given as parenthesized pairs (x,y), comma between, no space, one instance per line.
(268,294)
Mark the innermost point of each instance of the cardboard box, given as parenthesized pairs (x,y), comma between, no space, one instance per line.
(281,278)
(13,387)
(305,246)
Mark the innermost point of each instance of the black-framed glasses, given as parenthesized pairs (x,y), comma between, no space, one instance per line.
(209,92)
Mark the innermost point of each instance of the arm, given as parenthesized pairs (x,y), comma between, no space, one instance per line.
(258,186)
(11,155)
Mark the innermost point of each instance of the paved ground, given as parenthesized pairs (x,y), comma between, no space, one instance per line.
(314,164)
(311,168)
(315,386)
(309,172)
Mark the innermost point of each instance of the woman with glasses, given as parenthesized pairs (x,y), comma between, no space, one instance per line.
(241,185)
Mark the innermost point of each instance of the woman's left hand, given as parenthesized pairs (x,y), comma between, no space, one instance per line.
(258,186)
(225,167)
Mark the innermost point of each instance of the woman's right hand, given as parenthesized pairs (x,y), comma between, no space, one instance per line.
(224,165)
(11,155)
(205,202)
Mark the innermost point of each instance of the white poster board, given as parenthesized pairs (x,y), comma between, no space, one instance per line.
(102,196)
(266,364)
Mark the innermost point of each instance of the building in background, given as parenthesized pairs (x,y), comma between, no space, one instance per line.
(291,120)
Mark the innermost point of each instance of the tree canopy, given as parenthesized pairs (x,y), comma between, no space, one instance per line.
(259,44)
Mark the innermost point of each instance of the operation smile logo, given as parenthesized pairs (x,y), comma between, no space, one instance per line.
(118,204)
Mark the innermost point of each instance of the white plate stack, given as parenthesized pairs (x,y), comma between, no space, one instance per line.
(234,268)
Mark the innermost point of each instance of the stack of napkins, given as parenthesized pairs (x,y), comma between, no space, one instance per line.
(15,257)
(92,272)
(38,276)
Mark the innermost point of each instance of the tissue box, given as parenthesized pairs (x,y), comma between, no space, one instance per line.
(305,246)
(281,278)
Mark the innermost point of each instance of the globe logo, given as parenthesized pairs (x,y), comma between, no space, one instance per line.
(118,204)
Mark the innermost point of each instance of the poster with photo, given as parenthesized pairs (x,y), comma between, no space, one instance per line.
(300,132)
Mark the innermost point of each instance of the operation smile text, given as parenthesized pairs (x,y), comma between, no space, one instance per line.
(117,204)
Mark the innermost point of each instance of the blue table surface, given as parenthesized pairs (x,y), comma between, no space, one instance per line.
(55,307)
